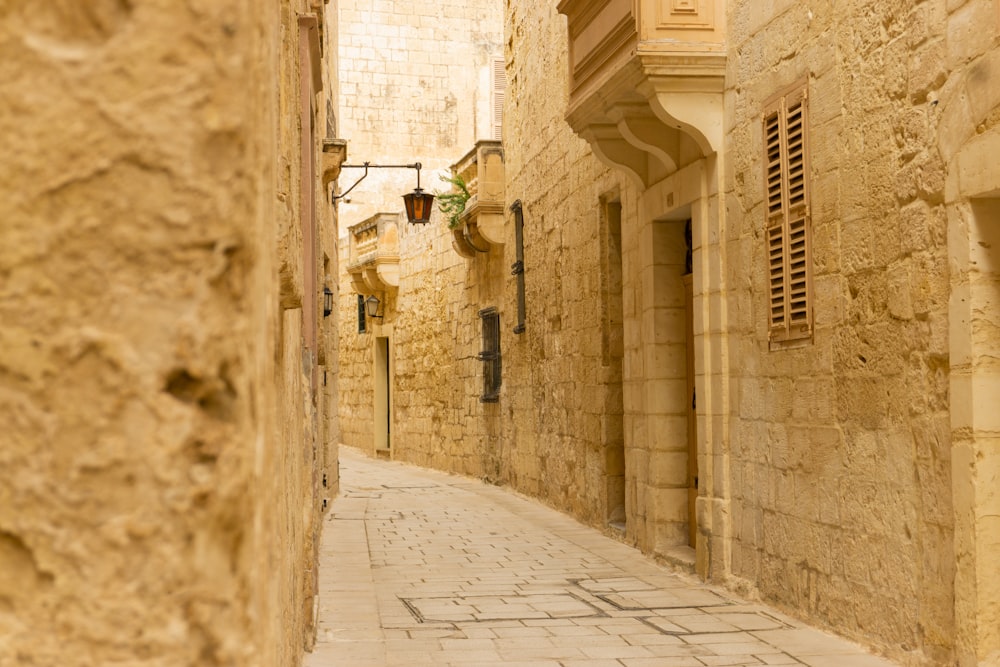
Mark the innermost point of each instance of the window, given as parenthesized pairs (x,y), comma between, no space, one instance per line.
(517,268)
(490,356)
(362,319)
(499,93)
(788,238)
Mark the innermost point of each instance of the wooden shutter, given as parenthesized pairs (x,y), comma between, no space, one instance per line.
(795,142)
(776,276)
(799,307)
(499,95)
(789,252)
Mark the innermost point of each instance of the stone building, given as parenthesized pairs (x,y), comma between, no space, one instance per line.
(746,284)
(419,83)
(166,372)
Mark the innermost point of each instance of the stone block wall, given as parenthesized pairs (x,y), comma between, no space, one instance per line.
(158,502)
(556,389)
(842,449)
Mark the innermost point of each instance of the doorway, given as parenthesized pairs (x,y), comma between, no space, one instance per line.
(670,374)
(613,353)
(383,399)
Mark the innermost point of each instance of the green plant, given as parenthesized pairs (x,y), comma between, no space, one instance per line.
(452,203)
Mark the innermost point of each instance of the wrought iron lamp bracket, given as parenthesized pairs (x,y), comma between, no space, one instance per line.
(368,165)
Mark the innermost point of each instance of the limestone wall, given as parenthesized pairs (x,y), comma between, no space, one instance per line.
(559,390)
(157,503)
(842,449)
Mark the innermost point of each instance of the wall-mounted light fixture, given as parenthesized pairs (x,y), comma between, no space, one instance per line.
(371,307)
(418,203)
(327,301)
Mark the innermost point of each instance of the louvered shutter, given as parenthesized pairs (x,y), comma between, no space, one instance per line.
(776,277)
(799,308)
(499,94)
(773,163)
(789,255)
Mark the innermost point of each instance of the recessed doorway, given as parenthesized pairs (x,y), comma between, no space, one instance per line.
(383,398)
(670,374)
(613,353)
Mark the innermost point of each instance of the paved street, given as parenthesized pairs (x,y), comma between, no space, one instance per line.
(423,568)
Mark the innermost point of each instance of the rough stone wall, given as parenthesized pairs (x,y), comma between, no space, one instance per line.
(555,374)
(157,497)
(841,457)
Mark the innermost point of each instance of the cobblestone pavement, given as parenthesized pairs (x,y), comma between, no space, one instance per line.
(422,568)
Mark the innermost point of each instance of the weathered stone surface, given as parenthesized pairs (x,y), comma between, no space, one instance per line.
(151,511)
(889,374)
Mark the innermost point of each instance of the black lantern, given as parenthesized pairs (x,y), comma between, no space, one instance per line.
(371,306)
(327,301)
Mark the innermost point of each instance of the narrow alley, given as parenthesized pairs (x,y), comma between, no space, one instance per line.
(422,568)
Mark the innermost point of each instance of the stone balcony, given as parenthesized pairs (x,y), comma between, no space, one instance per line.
(374,253)
(482,221)
(646,81)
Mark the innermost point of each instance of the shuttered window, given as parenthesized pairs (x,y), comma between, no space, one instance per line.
(788,237)
(490,356)
(499,93)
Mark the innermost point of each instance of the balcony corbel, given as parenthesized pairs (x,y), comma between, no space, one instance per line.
(613,150)
(686,93)
(647,81)
(369,276)
(642,129)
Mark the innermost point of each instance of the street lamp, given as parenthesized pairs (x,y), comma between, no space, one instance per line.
(327,301)
(371,306)
(418,203)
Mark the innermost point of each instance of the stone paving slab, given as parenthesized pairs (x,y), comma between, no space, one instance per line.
(422,568)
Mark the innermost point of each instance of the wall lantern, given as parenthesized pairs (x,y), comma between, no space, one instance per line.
(418,203)
(327,301)
(371,306)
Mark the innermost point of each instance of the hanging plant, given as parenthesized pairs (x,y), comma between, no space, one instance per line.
(452,203)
